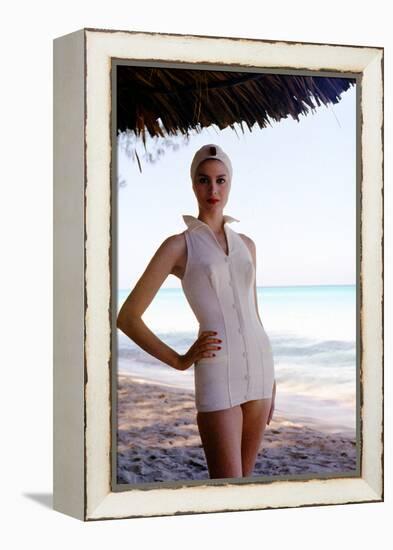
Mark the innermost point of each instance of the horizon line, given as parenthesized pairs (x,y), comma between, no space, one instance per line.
(268,286)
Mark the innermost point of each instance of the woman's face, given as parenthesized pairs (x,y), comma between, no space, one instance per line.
(211,185)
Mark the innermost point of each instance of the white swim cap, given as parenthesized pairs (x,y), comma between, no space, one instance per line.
(210,151)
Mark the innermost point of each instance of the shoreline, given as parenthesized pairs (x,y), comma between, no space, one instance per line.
(158,439)
(283,416)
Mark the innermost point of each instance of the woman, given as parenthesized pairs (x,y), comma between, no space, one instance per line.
(234,367)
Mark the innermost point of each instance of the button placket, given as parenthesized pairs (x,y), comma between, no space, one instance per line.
(246,375)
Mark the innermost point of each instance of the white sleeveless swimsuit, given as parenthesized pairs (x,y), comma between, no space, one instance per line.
(220,291)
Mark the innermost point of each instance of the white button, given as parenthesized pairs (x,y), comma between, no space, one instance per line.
(226,259)
(246,376)
(230,284)
(244,354)
(245,397)
(234,305)
(240,330)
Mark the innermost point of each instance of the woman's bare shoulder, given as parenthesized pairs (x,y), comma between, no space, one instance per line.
(174,242)
(249,242)
(174,246)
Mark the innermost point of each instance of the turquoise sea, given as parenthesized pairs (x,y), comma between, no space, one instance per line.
(312,330)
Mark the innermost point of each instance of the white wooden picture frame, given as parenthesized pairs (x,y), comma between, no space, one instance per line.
(83,316)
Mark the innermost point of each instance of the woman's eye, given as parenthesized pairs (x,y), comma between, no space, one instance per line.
(204,180)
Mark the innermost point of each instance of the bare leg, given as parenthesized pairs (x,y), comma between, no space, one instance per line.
(255,414)
(221,434)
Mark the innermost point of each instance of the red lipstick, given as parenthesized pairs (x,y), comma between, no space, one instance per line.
(212,201)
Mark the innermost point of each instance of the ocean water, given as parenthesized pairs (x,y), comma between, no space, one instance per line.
(312,330)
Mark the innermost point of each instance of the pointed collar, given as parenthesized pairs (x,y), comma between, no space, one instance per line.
(192,221)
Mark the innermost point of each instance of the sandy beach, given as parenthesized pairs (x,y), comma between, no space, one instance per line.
(158,439)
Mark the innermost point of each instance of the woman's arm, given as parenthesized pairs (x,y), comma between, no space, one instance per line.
(129,319)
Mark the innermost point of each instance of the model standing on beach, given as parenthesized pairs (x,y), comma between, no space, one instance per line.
(232,356)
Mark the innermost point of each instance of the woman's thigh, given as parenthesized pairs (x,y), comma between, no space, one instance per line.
(221,435)
(255,415)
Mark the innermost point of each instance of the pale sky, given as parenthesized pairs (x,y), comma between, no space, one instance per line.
(293,190)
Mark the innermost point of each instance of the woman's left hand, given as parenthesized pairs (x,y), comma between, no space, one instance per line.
(272,404)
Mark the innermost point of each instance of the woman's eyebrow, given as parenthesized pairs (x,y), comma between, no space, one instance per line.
(219,175)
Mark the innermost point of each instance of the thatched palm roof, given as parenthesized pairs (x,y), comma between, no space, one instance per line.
(166,101)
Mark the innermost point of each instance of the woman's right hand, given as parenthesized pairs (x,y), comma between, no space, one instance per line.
(204,346)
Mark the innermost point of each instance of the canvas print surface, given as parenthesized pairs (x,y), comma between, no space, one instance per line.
(263,229)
